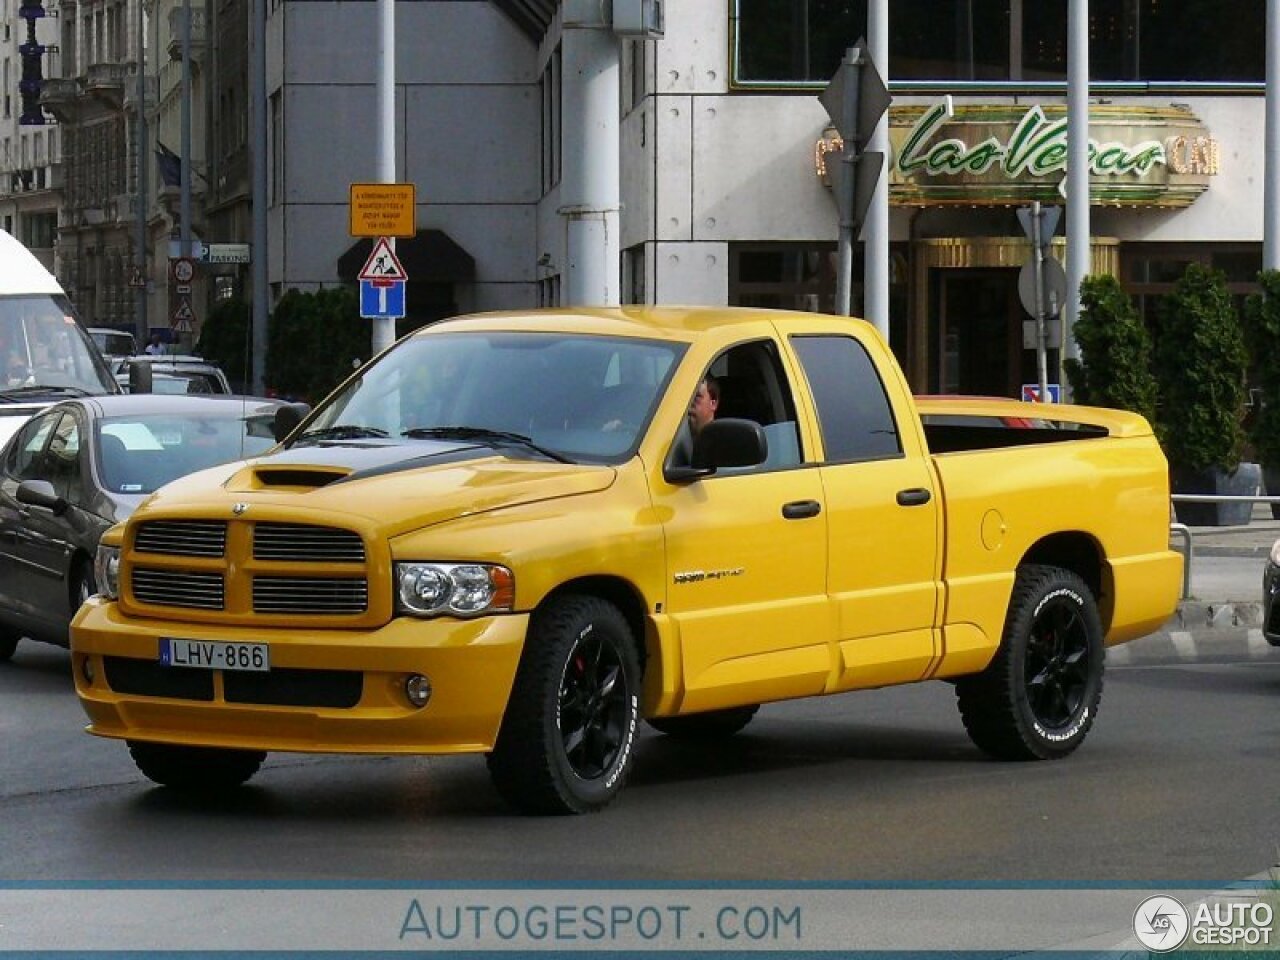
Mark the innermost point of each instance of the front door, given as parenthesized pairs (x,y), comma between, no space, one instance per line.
(981,350)
(747,552)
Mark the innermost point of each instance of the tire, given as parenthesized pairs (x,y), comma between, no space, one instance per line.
(711,725)
(568,735)
(83,586)
(1039,696)
(195,769)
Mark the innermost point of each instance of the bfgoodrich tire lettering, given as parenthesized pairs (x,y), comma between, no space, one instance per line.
(567,737)
(1038,697)
(192,769)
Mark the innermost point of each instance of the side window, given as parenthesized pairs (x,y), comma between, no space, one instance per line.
(747,382)
(25,457)
(62,459)
(853,409)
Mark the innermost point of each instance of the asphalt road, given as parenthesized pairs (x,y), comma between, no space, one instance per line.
(1178,781)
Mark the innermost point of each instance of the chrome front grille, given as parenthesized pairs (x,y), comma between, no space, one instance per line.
(182,538)
(175,588)
(310,595)
(304,543)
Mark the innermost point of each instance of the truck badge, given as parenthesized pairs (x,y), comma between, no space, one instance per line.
(239,508)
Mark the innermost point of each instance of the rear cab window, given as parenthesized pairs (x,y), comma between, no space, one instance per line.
(854,414)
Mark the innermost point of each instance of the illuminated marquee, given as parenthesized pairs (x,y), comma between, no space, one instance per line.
(1011,154)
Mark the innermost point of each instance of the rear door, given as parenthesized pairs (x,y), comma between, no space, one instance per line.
(882,509)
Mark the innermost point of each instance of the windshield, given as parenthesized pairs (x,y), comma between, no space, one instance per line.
(577,397)
(140,454)
(41,345)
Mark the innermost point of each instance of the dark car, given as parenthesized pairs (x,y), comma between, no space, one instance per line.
(78,467)
(1271,597)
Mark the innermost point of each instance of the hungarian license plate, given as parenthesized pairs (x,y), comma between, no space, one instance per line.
(214,654)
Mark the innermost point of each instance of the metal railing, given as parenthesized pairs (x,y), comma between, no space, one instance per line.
(1183,531)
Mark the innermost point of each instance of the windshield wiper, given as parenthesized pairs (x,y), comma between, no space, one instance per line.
(342,431)
(37,389)
(481,435)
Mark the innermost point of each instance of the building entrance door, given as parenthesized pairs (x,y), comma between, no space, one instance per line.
(981,329)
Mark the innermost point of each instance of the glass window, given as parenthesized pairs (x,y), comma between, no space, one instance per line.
(779,42)
(583,397)
(25,456)
(853,408)
(140,454)
(746,382)
(1152,40)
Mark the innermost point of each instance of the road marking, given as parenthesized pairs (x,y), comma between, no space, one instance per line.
(1258,646)
(1183,643)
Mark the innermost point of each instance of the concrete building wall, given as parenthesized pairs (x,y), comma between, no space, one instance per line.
(467,135)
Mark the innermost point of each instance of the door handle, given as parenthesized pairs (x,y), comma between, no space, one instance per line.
(914,497)
(801,509)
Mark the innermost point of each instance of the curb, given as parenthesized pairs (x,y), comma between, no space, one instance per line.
(1201,631)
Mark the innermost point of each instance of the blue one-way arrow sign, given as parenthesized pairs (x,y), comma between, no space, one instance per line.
(382,300)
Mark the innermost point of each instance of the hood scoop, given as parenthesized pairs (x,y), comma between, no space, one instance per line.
(294,478)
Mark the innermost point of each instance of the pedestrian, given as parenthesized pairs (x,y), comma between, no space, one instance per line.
(156,347)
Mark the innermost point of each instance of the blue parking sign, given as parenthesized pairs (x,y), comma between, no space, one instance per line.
(382,300)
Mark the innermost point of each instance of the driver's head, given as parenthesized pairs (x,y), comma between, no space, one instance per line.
(702,409)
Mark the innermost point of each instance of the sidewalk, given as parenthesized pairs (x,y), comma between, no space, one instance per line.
(1221,618)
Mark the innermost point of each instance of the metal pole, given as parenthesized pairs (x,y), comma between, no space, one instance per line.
(185,186)
(1042,351)
(1271,182)
(258,154)
(140,124)
(384,328)
(875,232)
(1078,228)
(849,166)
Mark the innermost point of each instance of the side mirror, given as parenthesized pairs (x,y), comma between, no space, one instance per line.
(40,493)
(288,417)
(139,376)
(730,443)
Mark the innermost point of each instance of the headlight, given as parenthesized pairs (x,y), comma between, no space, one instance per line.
(106,571)
(460,589)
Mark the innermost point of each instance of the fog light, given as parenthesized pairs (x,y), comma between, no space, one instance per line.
(418,689)
(86,670)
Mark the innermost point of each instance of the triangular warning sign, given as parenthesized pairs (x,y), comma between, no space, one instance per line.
(382,263)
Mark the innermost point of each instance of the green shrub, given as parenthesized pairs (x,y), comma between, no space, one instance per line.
(224,340)
(314,340)
(1200,366)
(1116,351)
(1262,329)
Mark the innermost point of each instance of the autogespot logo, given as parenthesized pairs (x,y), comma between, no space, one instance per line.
(1161,924)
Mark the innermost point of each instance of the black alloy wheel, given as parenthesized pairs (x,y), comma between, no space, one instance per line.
(593,710)
(1038,697)
(568,734)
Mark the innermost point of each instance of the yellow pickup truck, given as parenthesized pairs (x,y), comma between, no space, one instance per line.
(508,535)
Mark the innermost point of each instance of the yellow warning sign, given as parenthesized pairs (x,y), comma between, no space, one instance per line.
(382,209)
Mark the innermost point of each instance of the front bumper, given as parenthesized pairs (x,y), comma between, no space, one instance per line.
(471,665)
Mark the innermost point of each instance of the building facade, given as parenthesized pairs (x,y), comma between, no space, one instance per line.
(723,141)
(30,154)
(724,192)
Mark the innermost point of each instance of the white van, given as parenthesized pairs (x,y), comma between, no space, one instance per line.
(45,354)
